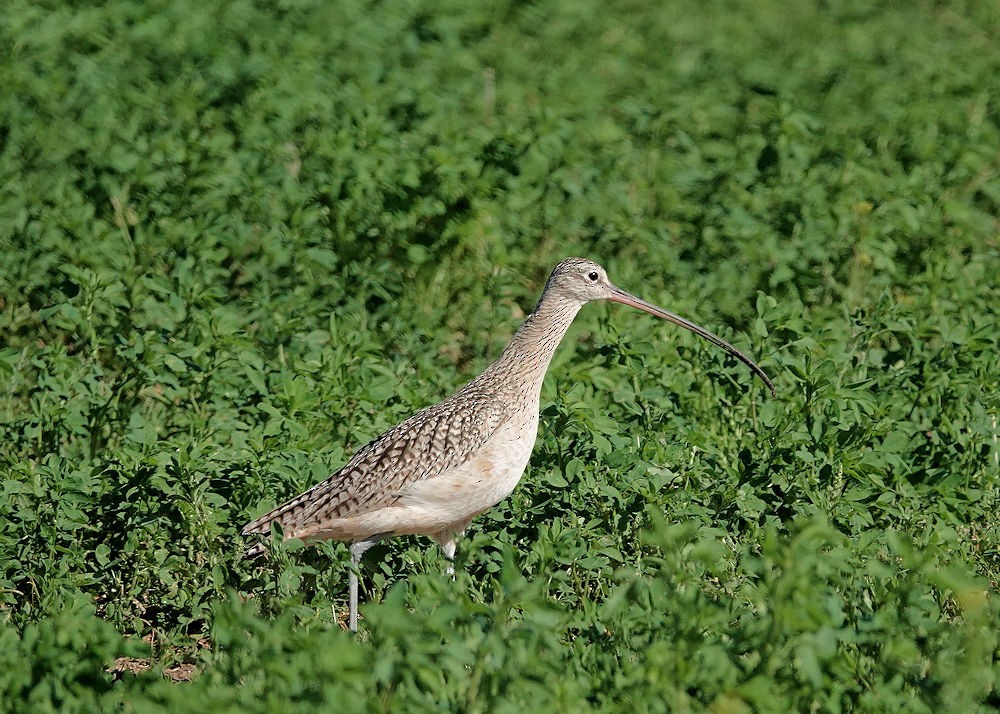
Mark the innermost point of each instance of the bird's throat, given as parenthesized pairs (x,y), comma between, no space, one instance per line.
(523,363)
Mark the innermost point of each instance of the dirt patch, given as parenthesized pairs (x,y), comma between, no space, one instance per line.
(179,672)
(183,672)
(130,665)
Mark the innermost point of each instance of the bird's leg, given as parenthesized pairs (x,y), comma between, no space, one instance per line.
(449,553)
(448,541)
(358,549)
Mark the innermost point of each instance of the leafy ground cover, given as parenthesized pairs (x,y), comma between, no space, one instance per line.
(241,239)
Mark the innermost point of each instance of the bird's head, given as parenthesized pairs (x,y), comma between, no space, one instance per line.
(580,280)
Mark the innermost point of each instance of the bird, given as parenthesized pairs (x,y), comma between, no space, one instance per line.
(433,473)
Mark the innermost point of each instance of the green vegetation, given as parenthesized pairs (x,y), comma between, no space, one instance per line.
(238,240)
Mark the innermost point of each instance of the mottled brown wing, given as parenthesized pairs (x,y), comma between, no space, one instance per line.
(430,442)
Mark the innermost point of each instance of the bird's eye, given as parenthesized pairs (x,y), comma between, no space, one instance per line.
(593,276)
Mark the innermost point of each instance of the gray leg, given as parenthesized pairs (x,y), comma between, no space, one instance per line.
(448,547)
(358,549)
(447,541)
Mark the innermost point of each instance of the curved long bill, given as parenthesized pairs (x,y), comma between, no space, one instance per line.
(619,295)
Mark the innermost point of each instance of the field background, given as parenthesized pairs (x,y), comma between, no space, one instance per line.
(238,240)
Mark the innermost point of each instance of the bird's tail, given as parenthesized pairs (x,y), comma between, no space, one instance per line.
(260,527)
(252,552)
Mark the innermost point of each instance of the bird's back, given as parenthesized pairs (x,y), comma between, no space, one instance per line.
(433,441)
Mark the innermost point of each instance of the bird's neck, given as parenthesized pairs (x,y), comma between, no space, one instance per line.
(523,363)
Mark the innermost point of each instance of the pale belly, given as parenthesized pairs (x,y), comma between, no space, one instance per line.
(446,503)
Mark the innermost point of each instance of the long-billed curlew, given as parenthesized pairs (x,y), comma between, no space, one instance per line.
(446,464)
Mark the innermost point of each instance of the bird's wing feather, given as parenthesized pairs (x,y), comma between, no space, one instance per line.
(434,440)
